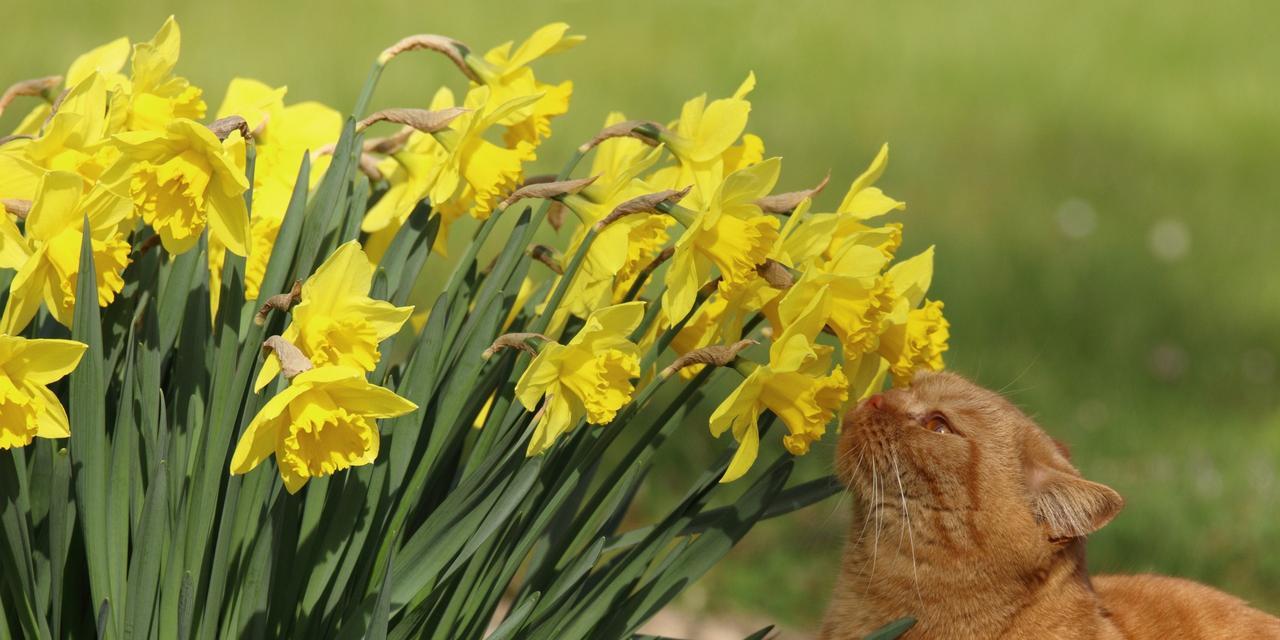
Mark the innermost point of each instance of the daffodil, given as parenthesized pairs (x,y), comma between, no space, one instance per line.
(864,202)
(282,134)
(702,140)
(861,296)
(589,377)
(75,140)
(916,344)
(795,385)
(508,76)
(28,409)
(155,95)
(457,169)
(182,179)
(917,332)
(337,323)
(48,257)
(623,248)
(732,235)
(322,423)
(105,60)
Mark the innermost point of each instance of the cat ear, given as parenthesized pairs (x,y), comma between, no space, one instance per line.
(1069,506)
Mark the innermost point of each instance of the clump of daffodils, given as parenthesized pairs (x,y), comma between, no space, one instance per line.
(348,296)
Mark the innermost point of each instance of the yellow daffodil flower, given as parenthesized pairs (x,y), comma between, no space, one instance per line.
(48,258)
(28,409)
(588,377)
(732,235)
(105,60)
(75,140)
(155,95)
(860,296)
(183,178)
(702,140)
(282,134)
(916,344)
(508,75)
(917,333)
(337,323)
(322,423)
(795,385)
(624,247)
(457,169)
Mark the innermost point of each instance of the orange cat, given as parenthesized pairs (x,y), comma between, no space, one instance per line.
(973,521)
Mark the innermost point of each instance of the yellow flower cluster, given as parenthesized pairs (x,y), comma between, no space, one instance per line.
(680,219)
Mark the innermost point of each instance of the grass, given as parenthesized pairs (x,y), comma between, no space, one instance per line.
(1044,149)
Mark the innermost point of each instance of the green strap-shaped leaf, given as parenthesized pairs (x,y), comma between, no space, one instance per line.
(144,566)
(87,413)
(892,630)
(515,620)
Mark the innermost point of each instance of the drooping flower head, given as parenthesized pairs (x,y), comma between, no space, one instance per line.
(182,179)
(28,409)
(337,323)
(322,423)
(797,384)
(48,256)
(589,377)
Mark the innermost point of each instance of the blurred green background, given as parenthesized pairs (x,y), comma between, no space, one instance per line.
(1100,179)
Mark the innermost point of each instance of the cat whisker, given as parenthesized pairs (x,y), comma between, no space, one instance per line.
(906,514)
(876,492)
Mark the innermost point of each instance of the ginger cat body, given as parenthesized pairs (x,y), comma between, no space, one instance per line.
(972,520)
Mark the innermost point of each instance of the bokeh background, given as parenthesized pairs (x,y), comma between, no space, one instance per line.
(1101,179)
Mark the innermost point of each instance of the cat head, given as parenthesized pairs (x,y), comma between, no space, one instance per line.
(970,468)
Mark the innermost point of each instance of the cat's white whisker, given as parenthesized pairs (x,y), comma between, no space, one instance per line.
(906,515)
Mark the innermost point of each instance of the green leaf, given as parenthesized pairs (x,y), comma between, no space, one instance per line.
(515,620)
(16,556)
(329,201)
(357,203)
(892,630)
(62,514)
(408,250)
(144,566)
(87,413)
(702,553)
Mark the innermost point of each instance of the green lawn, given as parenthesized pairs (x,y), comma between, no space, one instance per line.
(1100,180)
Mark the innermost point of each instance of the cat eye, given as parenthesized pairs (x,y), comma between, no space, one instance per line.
(937,423)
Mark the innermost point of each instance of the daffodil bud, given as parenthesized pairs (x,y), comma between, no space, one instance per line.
(716,355)
(292,360)
(452,49)
(643,130)
(661,202)
(421,119)
(16,206)
(549,190)
(526,342)
(281,302)
(29,88)
(222,127)
(787,202)
(547,256)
